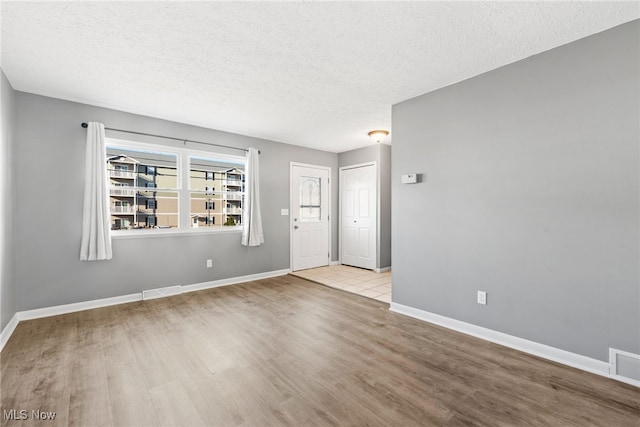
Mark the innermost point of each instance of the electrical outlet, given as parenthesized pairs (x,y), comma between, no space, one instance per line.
(209,263)
(482,297)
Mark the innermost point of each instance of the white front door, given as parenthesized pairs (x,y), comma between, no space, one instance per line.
(309,216)
(358,216)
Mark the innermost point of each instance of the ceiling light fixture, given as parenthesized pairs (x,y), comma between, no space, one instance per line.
(378,135)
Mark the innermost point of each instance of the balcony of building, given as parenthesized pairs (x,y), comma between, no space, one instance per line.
(233,211)
(122,210)
(119,173)
(122,192)
(232,182)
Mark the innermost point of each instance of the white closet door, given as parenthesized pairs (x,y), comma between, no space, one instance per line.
(358,216)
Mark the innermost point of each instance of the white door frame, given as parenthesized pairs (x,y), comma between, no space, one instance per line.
(359,165)
(306,165)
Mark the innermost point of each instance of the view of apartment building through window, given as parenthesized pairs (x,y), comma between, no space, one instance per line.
(146,188)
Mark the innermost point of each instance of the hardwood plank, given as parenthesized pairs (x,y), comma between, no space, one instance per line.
(89,404)
(173,406)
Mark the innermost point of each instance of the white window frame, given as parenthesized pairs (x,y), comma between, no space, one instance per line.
(183,156)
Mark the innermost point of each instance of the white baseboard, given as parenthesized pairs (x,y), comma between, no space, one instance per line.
(123,299)
(8,330)
(77,306)
(234,280)
(334,263)
(541,350)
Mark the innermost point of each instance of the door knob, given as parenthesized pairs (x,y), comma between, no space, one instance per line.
(295,227)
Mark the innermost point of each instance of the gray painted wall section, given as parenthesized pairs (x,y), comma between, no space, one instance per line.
(7,274)
(381,154)
(530,192)
(49,167)
(370,153)
(384,173)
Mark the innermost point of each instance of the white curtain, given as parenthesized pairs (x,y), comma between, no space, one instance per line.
(252,234)
(96,234)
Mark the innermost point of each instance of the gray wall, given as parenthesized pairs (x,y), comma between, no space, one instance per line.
(49,171)
(7,277)
(530,192)
(384,185)
(381,154)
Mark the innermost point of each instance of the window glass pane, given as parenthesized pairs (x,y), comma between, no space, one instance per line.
(141,168)
(144,210)
(215,175)
(310,193)
(143,189)
(206,210)
(216,194)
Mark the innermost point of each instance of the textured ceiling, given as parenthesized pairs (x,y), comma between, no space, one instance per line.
(315,74)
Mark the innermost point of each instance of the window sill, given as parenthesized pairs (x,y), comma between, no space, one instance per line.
(117,235)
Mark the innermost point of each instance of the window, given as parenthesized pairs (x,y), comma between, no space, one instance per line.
(208,184)
(169,189)
(309,199)
(134,192)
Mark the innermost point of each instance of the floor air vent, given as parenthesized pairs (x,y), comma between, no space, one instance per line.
(624,366)
(161,292)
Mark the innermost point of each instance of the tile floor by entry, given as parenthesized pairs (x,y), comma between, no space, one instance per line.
(351,279)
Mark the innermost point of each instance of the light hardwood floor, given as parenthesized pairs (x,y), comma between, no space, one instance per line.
(286,351)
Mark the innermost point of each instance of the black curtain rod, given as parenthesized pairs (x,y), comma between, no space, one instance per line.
(85,125)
